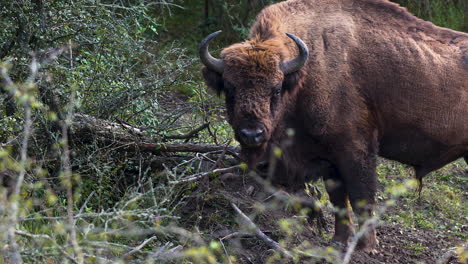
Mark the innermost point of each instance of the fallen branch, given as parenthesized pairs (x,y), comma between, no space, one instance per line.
(251,226)
(236,234)
(138,248)
(126,137)
(47,237)
(190,134)
(163,253)
(157,148)
(84,125)
(112,213)
(220,158)
(199,176)
(158,162)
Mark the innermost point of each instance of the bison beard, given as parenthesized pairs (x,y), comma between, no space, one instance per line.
(377,81)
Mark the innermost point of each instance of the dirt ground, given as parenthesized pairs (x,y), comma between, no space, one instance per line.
(211,212)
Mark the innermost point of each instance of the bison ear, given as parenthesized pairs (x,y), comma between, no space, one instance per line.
(214,80)
(290,81)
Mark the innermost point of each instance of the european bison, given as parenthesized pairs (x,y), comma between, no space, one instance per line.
(354,79)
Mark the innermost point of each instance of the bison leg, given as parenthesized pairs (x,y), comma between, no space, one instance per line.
(339,198)
(358,173)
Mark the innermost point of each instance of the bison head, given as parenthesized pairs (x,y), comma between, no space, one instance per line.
(257,82)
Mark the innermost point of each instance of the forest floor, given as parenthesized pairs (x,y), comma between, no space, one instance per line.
(415,230)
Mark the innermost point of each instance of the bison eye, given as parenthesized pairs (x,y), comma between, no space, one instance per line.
(275,98)
(277,91)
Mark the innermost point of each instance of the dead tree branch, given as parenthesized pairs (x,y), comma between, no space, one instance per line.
(130,138)
(159,147)
(190,134)
(252,227)
(47,237)
(201,175)
(138,248)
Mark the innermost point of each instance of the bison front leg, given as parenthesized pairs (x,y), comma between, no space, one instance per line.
(358,173)
(339,198)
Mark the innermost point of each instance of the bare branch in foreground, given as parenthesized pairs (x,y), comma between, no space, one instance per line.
(251,226)
(67,175)
(14,203)
(368,225)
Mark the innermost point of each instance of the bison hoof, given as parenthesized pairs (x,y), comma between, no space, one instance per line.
(338,244)
(368,245)
(370,251)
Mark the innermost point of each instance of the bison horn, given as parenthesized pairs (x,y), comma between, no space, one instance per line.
(296,63)
(209,61)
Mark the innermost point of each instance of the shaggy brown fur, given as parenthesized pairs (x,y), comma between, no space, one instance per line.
(378,81)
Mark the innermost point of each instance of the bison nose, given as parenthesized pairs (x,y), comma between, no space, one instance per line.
(252,136)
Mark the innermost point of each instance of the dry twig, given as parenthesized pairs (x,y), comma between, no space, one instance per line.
(235,234)
(47,237)
(201,175)
(251,226)
(190,134)
(138,248)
